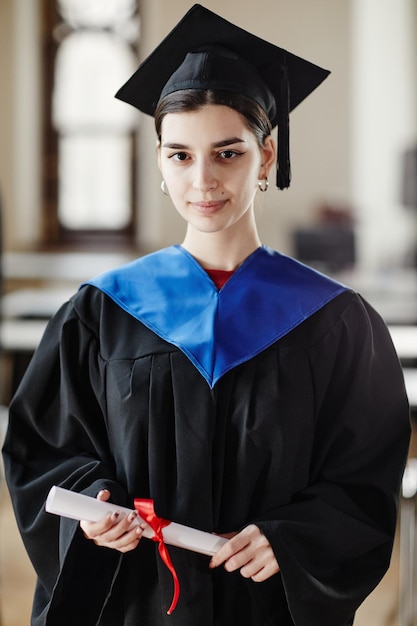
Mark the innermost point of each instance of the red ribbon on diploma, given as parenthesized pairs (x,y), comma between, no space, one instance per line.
(146,510)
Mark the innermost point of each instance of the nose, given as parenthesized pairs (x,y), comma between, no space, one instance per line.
(204,177)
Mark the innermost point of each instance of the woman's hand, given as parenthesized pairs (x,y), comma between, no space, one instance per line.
(250,552)
(113,531)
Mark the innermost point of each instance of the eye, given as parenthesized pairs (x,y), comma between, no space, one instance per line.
(228,154)
(179,156)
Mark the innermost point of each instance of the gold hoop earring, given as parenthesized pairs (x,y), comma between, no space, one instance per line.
(164,191)
(263,185)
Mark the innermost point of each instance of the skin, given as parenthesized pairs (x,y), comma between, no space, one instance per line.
(211,163)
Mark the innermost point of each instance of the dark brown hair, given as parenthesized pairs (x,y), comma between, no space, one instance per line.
(185,100)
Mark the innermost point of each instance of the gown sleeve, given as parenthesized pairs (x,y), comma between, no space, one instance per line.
(333,541)
(57,436)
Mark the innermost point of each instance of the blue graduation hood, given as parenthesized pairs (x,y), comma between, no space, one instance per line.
(172,295)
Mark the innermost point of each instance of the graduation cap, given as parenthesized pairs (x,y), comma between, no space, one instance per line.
(205,51)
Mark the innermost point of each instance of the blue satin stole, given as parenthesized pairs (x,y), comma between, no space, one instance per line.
(172,295)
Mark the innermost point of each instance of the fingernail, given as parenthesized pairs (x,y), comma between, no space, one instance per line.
(115,515)
(132,516)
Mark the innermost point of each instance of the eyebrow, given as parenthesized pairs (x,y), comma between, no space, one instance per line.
(218,144)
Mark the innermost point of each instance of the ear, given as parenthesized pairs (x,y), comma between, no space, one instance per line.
(269,157)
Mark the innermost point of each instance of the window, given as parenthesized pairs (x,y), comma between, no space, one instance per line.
(91,133)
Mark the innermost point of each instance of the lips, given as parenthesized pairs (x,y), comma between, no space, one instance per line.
(209,207)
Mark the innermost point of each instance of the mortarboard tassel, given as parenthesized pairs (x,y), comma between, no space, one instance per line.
(283,164)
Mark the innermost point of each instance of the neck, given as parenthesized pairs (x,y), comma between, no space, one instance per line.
(220,251)
(225,248)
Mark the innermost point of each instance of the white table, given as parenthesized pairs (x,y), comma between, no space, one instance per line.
(60,266)
(40,303)
(21,335)
(405,341)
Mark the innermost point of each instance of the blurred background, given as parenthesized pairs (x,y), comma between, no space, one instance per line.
(80,189)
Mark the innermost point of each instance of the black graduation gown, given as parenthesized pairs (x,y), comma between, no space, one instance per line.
(306,437)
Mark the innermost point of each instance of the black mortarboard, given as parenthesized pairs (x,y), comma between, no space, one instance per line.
(205,51)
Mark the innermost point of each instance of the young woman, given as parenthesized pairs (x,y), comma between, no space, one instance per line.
(246,394)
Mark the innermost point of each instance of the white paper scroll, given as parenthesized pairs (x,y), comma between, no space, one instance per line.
(80,507)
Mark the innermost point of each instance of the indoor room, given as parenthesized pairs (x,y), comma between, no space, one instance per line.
(80,190)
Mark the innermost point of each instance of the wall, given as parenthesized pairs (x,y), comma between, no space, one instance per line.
(6,109)
(384,113)
(20,102)
(339,148)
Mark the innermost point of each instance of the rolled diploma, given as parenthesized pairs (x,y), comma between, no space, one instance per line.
(81,507)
